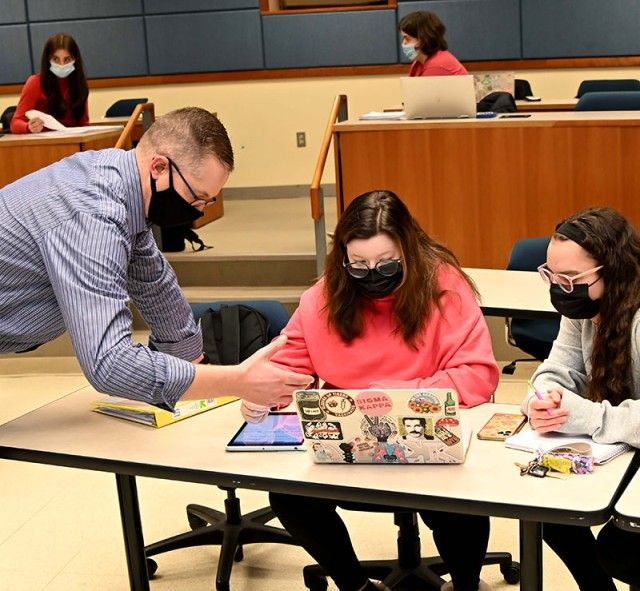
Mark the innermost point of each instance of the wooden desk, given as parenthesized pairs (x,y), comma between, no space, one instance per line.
(626,514)
(567,104)
(138,129)
(66,433)
(21,154)
(513,294)
(479,185)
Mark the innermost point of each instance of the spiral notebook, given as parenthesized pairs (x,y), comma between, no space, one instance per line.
(530,440)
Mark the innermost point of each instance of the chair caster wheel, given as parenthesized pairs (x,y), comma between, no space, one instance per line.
(509,369)
(196,522)
(511,573)
(239,555)
(152,567)
(315,582)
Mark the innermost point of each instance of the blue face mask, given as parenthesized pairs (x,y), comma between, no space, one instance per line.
(410,52)
(62,71)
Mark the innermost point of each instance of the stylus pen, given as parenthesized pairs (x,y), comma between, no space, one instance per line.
(538,395)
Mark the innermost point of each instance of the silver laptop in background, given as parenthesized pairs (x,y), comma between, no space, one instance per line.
(439,97)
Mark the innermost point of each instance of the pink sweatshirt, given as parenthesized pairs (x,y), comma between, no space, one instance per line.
(441,63)
(456,350)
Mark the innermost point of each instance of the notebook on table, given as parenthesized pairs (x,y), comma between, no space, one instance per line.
(530,440)
(439,97)
(417,426)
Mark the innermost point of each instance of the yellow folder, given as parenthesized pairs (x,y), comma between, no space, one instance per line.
(141,412)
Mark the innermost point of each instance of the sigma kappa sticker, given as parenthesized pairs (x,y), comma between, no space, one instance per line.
(337,404)
(374,403)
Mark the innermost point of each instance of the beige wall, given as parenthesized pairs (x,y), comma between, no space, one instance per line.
(263,116)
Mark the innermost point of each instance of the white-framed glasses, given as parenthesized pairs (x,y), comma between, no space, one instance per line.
(360,269)
(565,282)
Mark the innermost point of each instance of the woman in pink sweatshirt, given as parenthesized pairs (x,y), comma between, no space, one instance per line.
(393,310)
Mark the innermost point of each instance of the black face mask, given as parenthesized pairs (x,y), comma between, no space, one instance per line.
(375,285)
(576,305)
(168,209)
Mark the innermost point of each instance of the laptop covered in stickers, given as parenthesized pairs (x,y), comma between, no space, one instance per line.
(412,426)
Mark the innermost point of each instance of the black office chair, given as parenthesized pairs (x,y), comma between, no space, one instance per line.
(521,89)
(410,569)
(626,100)
(229,528)
(124,107)
(629,84)
(5,118)
(533,336)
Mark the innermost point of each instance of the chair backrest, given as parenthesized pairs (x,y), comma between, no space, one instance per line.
(607,86)
(144,110)
(528,254)
(610,101)
(7,115)
(522,89)
(124,107)
(273,310)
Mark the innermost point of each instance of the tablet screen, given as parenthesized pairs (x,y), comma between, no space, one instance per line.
(278,429)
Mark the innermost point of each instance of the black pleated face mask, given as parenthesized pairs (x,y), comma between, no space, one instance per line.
(577,304)
(168,209)
(376,285)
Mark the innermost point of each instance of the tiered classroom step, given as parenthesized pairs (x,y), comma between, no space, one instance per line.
(211,278)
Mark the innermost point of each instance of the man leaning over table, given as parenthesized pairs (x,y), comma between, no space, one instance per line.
(76,245)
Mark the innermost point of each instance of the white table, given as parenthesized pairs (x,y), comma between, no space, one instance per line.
(516,294)
(626,514)
(66,433)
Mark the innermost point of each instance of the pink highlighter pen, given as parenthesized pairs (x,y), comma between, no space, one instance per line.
(538,395)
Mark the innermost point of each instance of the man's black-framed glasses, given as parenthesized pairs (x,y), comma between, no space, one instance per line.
(196,200)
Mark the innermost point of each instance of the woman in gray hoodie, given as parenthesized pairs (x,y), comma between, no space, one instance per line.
(590,383)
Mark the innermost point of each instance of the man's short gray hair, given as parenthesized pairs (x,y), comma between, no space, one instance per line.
(189,135)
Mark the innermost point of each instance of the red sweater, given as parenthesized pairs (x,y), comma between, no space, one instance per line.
(441,63)
(455,353)
(32,97)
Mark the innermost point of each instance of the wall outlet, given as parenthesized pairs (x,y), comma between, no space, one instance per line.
(301,139)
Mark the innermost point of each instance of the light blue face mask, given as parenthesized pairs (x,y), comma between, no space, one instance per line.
(62,71)
(410,52)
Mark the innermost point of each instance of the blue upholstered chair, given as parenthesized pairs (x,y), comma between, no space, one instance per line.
(626,100)
(124,107)
(625,84)
(533,336)
(229,528)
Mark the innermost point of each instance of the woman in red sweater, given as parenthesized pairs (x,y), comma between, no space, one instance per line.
(424,43)
(59,89)
(393,310)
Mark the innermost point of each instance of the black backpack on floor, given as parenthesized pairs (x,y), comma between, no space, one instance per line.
(233,333)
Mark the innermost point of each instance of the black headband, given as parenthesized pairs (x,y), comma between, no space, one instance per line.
(572,232)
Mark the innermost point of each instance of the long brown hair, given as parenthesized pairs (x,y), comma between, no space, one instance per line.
(78,88)
(611,239)
(382,212)
(427,28)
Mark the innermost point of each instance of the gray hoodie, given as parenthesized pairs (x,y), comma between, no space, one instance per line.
(568,366)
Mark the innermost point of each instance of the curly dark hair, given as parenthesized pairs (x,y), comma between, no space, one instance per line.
(382,212)
(427,28)
(615,243)
(78,88)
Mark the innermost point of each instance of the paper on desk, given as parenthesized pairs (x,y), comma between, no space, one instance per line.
(383,116)
(49,121)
